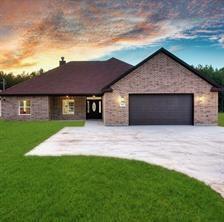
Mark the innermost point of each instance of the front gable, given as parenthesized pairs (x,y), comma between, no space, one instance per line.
(162,74)
(160,65)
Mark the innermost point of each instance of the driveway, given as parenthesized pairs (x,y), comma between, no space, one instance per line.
(197,151)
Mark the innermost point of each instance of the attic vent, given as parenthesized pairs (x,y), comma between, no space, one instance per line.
(62,61)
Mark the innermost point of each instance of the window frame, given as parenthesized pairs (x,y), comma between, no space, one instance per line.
(29,107)
(69,100)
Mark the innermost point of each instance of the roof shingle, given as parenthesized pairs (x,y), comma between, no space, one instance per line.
(72,78)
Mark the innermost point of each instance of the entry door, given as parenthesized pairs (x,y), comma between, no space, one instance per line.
(161,109)
(94,109)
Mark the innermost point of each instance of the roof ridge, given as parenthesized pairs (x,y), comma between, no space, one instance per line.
(86,61)
(119,60)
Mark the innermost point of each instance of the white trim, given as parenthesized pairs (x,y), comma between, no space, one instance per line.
(94,98)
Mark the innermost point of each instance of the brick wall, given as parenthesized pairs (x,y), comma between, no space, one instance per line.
(161,74)
(42,108)
(56,108)
(39,108)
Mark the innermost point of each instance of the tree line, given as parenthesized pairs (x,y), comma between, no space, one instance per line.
(209,71)
(11,79)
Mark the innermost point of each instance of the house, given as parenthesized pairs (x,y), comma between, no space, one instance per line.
(160,90)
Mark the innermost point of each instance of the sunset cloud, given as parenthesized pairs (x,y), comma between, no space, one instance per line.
(34,34)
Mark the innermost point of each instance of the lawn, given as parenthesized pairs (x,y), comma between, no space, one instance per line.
(92,188)
(221,119)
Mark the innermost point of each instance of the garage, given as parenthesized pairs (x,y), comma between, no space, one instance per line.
(161,109)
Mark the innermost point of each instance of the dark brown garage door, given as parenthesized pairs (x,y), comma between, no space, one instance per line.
(161,109)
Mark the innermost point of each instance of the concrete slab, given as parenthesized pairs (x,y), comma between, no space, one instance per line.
(197,151)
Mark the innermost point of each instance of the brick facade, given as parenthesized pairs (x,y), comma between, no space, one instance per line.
(56,108)
(39,108)
(161,74)
(42,108)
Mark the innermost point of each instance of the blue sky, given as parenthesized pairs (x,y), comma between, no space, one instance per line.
(193,51)
(35,34)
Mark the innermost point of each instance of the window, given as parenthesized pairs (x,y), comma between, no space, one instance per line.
(68,106)
(99,106)
(94,106)
(24,107)
(87,106)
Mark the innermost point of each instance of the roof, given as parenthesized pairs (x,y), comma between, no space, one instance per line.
(216,87)
(72,78)
(88,77)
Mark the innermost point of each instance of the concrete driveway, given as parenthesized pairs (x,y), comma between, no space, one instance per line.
(197,151)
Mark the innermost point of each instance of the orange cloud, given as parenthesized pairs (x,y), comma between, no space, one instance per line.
(34,34)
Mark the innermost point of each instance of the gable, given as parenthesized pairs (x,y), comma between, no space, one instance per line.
(185,66)
(162,74)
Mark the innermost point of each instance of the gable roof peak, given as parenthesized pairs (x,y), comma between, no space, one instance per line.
(113,58)
(169,54)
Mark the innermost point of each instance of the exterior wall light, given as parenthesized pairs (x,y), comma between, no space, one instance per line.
(122,102)
(201,99)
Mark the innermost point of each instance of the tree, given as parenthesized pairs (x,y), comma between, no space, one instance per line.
(12,79)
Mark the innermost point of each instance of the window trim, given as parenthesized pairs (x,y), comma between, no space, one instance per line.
(24,114)
(73,100)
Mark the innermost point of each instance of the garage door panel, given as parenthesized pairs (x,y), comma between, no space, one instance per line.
(161,109)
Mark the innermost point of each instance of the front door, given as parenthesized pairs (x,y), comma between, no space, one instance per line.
(93,109)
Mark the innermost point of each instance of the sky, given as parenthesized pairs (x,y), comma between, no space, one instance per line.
(36,34)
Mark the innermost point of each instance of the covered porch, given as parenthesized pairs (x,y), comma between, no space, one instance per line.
(75,107)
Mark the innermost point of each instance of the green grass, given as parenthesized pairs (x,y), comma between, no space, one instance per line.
(92,188)
(221,119)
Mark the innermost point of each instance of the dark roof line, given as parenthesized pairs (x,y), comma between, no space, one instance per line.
(216,87)
(93,61)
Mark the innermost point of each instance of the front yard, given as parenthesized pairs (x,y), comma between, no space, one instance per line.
(221,119)
(92,188)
